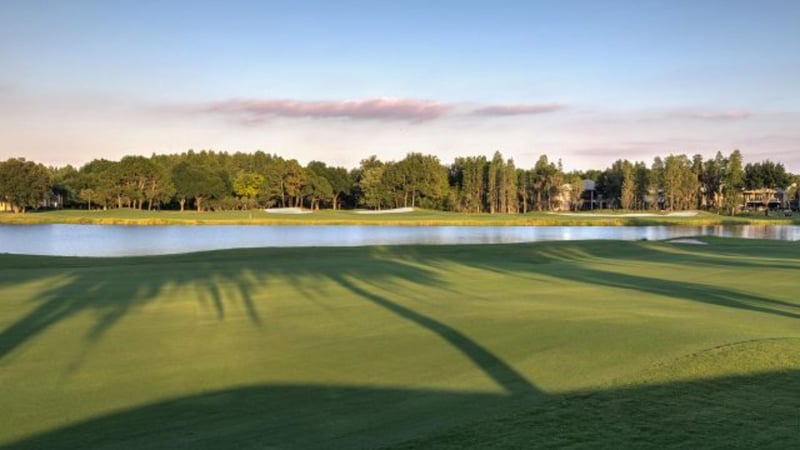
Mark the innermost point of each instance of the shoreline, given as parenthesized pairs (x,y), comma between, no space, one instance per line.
(415,218)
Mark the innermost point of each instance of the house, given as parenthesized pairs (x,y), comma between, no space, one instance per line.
(589,195)
(764,198)
(5,206)
(591,199)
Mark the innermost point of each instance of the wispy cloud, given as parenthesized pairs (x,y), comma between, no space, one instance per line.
(516,110)
(724,115)
(731,114)
(255,111)
(379,109)
(635,149)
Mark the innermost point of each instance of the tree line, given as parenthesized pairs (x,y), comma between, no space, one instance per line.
(208,180)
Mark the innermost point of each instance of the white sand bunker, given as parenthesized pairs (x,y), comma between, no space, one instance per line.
(683,214)
(687,241)
(287,211)
(386,211)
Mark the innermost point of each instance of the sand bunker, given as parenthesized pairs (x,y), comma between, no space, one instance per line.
(287,211)
(386,211)
(683,214)
(687,241)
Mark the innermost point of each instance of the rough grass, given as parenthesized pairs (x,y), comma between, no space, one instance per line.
(328,217)
(571,344)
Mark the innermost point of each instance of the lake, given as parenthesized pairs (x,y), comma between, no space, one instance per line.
(112,240)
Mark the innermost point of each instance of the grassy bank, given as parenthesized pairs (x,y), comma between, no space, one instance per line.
(328,217)
(588,344)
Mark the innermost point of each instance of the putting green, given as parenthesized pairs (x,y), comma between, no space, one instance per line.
(553,344)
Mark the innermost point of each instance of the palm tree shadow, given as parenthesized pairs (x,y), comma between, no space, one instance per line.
(572,262)
(308,416)
(112,288)
(755,254)
(501,372)
(586,271)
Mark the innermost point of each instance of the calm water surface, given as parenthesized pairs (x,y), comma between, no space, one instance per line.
(111,240)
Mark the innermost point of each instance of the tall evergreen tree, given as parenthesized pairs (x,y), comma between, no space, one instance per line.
(628,195)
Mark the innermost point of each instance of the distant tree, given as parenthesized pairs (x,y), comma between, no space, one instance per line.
(575,182)
(524,190)
(680,182)
(370,186)
(247,186)
(793,192)
(510,193)
(765,174)
(656,187)
(429,184)
(196,182)
(65,184)
(392,187)
(467,175)
(24,184)
(470,184)
(712,181)
(475,183)
(159,188)
(642,177)
(88,195)
(494,181)
(733,182)
(135,175)
(97,176)
(609,183)
(697,183)
(628,194)
(317,189)
(337,177)
(547,179)
(294,178)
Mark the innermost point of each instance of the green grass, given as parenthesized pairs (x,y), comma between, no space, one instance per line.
(573,344)
(328,217)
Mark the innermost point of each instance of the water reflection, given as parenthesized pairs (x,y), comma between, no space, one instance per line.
(110,240)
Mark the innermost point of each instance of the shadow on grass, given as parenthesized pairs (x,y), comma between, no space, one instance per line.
(757,411)
(722,252)
(584,271)
(325,416)
(594,264)
(110,288)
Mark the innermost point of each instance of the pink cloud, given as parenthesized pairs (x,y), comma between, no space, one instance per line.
(516,110)
(385,109)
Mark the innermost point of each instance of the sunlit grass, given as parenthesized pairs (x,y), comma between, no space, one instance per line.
(418,217)
(573,343)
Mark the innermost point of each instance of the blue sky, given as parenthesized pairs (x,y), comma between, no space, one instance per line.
(588,82)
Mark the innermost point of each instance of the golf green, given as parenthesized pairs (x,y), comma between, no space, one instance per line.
(570,344)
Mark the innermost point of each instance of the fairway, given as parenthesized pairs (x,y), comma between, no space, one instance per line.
(570,344)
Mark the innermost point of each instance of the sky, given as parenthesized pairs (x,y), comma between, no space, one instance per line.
(588,82)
